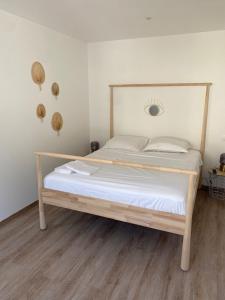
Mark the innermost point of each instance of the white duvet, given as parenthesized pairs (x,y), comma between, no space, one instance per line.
(143,188)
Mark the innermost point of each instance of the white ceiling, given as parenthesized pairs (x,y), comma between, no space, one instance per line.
(99,20)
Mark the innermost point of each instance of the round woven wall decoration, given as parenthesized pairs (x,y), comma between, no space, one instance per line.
(55,89)
(41,111)
(57,121)
(38,73)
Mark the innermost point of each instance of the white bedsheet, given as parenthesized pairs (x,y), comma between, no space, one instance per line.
(143,188)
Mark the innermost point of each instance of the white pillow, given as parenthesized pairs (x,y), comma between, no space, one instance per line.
(127,142)
(168,144)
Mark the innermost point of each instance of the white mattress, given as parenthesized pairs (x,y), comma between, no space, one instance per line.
(143,188)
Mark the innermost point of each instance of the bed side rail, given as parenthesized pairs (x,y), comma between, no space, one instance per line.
(118,163)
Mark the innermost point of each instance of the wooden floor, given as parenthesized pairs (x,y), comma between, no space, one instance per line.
(87,257)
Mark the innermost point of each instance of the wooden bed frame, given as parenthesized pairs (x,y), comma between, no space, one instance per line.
(169,222)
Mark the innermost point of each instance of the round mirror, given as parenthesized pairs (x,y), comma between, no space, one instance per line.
(154,110)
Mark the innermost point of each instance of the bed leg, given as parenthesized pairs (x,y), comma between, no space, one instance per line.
(41,204)
(42,220)
(186,249)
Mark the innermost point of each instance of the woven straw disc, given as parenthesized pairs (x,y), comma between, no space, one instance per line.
(57,121)
(55,89)
(38,73)
(41,111)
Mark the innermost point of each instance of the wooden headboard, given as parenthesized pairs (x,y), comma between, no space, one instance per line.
(205,85)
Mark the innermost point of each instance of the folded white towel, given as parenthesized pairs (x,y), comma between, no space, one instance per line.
(81,167)
(63,170)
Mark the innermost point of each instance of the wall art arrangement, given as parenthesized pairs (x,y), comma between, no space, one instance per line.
(38,76)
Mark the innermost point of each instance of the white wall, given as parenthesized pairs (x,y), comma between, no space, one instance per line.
(21,133)
(178,105)
(182,58)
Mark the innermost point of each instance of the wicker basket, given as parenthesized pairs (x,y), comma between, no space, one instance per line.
(216,186)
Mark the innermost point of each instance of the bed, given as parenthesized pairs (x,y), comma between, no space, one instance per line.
(155,190)
(130,186)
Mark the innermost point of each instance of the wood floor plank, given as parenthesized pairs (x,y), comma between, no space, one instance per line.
(84,257)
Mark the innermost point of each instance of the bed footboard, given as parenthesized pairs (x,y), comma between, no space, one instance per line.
(117,211)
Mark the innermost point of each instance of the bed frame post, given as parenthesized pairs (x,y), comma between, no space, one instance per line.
(204,122)
(40,186)
(111,126)
(185,258)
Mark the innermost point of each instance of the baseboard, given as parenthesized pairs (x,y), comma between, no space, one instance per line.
(20,212)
